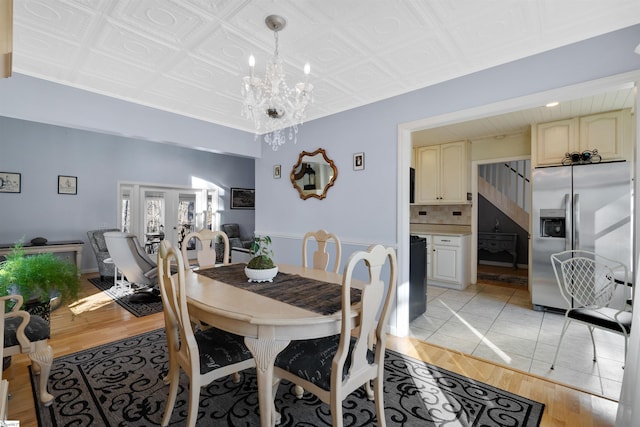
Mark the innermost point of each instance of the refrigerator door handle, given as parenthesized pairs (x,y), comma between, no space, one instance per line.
(576,221)
(568,222)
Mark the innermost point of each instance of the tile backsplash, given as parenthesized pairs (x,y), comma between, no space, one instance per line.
(441,214)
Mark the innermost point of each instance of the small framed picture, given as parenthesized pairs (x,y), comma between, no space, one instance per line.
(10,182)
(243,198)
(358,161)
(276,172)
(67,184)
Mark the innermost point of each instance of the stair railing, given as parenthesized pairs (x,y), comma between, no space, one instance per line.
(511,179)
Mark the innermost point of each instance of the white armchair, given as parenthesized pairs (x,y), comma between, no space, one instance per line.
(28,334)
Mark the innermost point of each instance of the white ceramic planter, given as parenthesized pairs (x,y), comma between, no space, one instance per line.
(266,275)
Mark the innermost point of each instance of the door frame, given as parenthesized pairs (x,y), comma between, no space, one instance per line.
(399,322)
(473,256)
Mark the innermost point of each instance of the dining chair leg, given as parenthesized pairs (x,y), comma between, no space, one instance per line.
(626,344)
(378,390)
(194,401)
(369,390)
(42,359)
(593,342)
(336,409)
(172,379)
(564,329)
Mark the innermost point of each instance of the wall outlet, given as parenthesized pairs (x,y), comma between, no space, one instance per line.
(457,213)
(102,226)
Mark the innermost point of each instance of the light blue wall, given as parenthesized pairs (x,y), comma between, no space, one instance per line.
(361,207)
(41,152)
(29,98)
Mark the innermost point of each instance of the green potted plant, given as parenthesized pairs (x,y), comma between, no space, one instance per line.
(260,267)
(38,278)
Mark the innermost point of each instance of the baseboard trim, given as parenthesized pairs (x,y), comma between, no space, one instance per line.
(502,264)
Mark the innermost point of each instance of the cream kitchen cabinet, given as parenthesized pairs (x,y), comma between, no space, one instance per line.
(606,132)
(442,173)
(449,261)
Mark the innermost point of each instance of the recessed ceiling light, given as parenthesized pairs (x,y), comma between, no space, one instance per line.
(552,104)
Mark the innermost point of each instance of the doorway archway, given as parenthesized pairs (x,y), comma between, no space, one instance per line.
(401,325)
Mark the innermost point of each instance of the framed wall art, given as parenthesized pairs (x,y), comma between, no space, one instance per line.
(243,198)
(10,182)
(358,161)
(67,184)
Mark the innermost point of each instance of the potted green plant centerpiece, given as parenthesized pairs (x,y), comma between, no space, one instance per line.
(38,278)
(260,267)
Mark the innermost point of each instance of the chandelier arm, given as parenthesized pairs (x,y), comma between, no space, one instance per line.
(275,36)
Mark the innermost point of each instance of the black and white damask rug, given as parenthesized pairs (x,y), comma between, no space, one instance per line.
(121,295)
(120,384)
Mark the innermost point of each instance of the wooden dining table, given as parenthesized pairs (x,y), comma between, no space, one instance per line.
(301,303)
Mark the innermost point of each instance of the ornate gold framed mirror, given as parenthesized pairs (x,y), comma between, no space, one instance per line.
(314,174)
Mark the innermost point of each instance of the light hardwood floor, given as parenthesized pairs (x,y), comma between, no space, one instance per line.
(98,320)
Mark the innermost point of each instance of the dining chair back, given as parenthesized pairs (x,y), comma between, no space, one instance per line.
(333,367)
(206,242)
(595,289)
(321,257)
(204,355)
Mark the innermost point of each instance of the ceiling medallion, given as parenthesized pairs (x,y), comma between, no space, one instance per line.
(269,101)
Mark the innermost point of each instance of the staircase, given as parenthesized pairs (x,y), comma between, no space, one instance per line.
(507,186)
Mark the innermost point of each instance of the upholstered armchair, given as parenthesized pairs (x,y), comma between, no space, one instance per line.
(235,239)
(96,238)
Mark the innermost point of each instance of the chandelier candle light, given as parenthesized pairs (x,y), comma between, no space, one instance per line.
(269,102)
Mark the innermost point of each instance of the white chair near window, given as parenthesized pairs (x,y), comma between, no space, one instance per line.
(130,258)
(204,355)
(333,367)
(596,291)
(321,257)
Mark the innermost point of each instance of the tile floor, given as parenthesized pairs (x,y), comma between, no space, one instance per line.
(498,323)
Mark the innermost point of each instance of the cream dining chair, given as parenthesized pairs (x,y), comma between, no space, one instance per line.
(333,367)
(320,260)
(321,257)
(206,241)
(204,355)
(24,333)
(206,255)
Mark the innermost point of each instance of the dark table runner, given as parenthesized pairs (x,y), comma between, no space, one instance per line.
(310,294)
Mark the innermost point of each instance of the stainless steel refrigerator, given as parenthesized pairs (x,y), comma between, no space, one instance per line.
(586,207)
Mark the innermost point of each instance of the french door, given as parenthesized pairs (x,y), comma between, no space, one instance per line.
(154,213)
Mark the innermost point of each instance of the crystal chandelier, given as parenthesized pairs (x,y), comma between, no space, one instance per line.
(269,102)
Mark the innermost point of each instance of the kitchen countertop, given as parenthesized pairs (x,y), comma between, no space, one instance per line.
(446,229)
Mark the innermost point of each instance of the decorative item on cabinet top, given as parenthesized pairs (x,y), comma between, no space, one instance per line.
(587,156)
